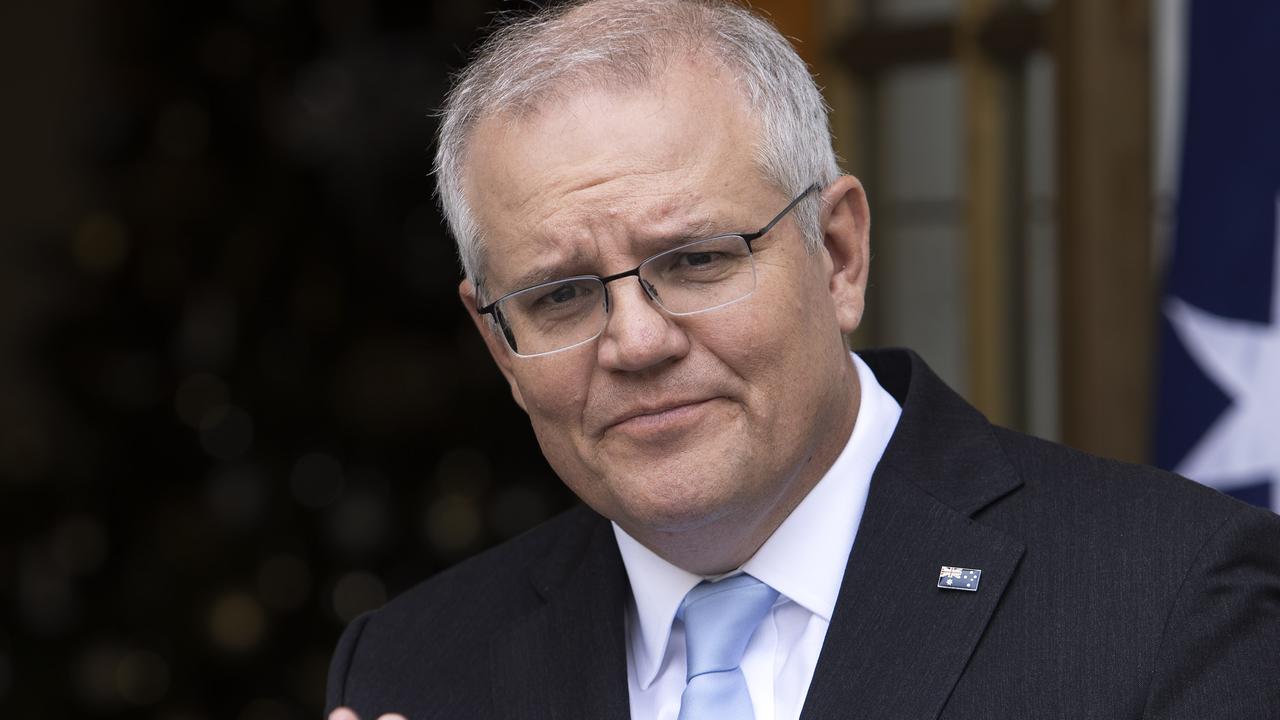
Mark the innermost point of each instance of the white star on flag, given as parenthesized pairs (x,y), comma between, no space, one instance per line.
(1243,359)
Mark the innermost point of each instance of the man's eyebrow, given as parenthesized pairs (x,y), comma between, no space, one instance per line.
(697,228)
(667,238)
(537,276)
(679,234)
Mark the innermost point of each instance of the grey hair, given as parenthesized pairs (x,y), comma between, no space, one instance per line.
(534,59)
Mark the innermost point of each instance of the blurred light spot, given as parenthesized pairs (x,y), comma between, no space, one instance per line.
(236,622)
(516,509)
(227,52)
(182,130)
(226,432)
(100,244)
(236,495)
(359,522)
(357,592)
(94,673)
(316,480)
(452,523)
(197,396)
(463,470)
(142,677)
(284,582)
(46,599)
(265,709)
(310,675)
(79,544)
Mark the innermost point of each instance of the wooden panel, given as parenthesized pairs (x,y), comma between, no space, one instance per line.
(992,380)
(1005,33)
(849,95)
(796,20)
(989,40)
(1102,48)
(875,49)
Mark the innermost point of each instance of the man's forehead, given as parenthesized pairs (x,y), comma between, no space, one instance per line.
(617,76)
(697,90)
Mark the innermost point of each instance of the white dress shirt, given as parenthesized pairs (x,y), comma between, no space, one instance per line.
(803,560)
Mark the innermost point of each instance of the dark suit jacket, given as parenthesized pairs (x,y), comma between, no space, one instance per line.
(1107,591)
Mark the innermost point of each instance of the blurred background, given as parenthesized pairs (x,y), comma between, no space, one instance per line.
(240,402)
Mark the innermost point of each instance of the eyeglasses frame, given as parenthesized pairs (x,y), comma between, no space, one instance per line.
(491,308)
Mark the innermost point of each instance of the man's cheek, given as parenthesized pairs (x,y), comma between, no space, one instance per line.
(553,406)
(556,421)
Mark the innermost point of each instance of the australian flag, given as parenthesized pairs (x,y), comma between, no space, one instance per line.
(1218,402)
(958,578)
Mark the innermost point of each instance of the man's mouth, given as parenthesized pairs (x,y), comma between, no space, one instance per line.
(660,418)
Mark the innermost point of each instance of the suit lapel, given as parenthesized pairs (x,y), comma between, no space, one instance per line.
(567,659)
(897,644)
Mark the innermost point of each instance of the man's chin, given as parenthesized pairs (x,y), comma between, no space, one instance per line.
(672,508)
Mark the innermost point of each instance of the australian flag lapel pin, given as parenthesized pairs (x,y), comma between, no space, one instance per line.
(958,578)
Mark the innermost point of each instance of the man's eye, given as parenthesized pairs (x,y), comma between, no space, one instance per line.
(563,294)
(700,258)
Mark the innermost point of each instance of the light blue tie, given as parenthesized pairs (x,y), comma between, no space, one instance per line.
(719,619)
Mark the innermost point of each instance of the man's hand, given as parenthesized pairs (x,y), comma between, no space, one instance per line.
(347,714)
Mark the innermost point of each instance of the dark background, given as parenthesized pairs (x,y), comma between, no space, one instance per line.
(240,402)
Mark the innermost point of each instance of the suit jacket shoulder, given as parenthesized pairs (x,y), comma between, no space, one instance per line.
(431,652)
(1171,589)
(1108,590)
(1079,493)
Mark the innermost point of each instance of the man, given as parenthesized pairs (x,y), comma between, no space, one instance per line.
(663,260)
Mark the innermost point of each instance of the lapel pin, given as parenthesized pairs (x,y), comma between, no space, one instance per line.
(958,578)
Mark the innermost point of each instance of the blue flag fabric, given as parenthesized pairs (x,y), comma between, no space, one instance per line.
(1218,394)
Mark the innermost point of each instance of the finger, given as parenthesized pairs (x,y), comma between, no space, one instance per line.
(390,716)
(343,714)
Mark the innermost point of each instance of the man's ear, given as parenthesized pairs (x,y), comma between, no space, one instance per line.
(497,347)
(846,237)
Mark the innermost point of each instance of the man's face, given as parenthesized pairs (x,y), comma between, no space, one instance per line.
(666,424)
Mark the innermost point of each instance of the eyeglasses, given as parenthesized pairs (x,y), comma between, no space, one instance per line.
(693,278)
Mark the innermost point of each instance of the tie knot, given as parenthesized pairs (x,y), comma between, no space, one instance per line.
(719,620)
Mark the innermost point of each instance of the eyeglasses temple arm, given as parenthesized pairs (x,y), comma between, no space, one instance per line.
(749,237)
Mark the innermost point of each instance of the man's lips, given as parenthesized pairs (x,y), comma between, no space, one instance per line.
(657,415)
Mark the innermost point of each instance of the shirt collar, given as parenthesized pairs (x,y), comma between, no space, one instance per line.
(657,589)
(803,560)
(805,557)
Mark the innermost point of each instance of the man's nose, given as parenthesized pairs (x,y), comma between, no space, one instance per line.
(638,334)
